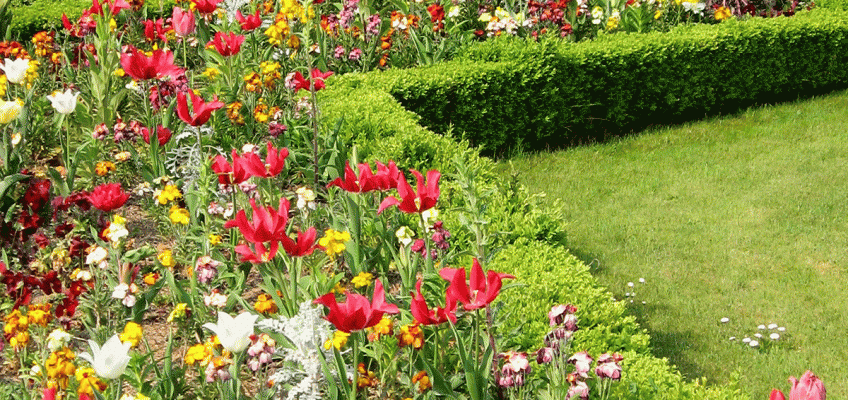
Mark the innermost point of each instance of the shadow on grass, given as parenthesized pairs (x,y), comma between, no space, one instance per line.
(673,345)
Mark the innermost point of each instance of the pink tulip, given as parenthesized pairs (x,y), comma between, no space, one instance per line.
(183,22)
(776,395)
(810,387)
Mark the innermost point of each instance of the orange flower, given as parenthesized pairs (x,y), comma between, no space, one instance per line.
(423,381)
(265,304)
(411,335)
(365,378)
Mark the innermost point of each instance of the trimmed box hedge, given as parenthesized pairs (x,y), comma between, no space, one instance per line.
(32,16)
(512,94)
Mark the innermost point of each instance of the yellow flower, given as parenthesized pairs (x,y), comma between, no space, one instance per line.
(384,327)
(32,72)
(658,14)
(39,314)
(169,193)
(411,335)
(9,110)
(211,73)
(119,72)
(722,13)
(167,259)
(3,85)
(338,288)
(112,25)
(132,333)
(265,304)
(123,156)
(179,215)
(333,241)
(199,353)
(88,380)
(60,366)
(214,239)
(179,312)
(362,280)
(104,167)
(338,340)
(233,113)
(151,278)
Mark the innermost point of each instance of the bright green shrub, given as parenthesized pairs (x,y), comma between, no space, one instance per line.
(513,93)
(550,275)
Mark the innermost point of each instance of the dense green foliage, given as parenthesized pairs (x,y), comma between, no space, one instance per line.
(511,93)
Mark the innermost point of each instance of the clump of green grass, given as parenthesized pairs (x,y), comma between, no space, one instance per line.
(741,217)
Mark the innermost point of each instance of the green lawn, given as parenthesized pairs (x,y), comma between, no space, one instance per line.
(741,217)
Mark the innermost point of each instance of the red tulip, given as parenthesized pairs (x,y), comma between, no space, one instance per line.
(268,225)
(155,30)
(108,196)
(227,44)
(114,7)
(206,6)
(385,179)
(357,313)
(438,315)
(140,67)
(163,135)
(183,22)
(275,160)
(304,245)
(299,82)
(224,170)
(261,255)
(776,395)
(412,202)
(49,393)
(201,111)
(810,387)
(480,293)
(250,22)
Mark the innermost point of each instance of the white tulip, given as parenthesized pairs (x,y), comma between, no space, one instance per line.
(233,333)
(64,103)
(109,361)
(15,69)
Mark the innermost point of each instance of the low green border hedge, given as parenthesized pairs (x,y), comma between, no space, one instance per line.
(32,16)
(512,93)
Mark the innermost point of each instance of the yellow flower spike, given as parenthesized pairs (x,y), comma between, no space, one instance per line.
(333,242)
(179,312)
(168,194)
(179,215)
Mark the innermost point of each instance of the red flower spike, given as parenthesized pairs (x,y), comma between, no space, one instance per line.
(412,202)
(226,44)
(201,110)
(250,22)
(426,316)
(268,225)
(141,67)
(482,291)
(357,313)
(304,245)
(108,196)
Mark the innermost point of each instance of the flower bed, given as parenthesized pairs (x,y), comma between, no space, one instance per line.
(275,261)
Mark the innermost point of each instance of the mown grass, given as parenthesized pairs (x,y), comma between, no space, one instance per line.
(741,217)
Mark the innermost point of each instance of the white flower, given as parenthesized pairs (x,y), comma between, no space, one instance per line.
(641,280)
(753,343)
(133,85)
(9,110)
(405,235)
(781,329)
(116,232)
(234,333)
(746,340)
(109,361)
(697,8)
(16,138)
(453,12)
(15,69)
(128,301)
(758,335)
(305,198)
(215,299)
(772,326)
(630,284)
(725,320)
(64,103)
(761,327)
(97,256)
(120,291)
(732,338)
(774,336)
(430,216)
(58,339)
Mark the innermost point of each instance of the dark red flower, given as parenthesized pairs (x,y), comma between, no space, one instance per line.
(201,110)
(226,44)
(250,22)
(357,313)
(37,194)
(427,316)
(108,196)
(412,202)
(141,67)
